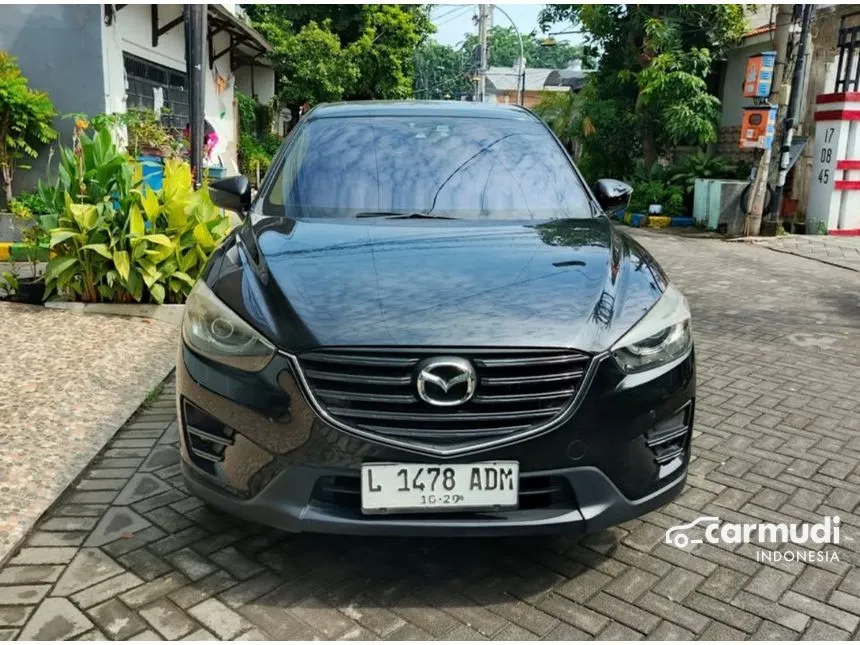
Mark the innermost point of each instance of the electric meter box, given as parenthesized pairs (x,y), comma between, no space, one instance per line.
(759,75)
(757,128)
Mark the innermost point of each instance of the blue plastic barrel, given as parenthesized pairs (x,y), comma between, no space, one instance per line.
(153,171)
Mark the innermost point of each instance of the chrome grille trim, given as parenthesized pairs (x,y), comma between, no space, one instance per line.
(421,441)
(519,380)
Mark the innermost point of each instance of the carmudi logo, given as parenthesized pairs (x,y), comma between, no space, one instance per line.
(714,531)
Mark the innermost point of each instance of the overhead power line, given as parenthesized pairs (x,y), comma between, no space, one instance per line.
(459,13)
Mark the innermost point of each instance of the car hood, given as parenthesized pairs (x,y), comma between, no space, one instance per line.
(574,283)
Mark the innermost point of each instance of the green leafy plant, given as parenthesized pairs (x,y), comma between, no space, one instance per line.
(25,120)
(247,106)
(657,191)
(649,92)
(657,172)
(145,246)
(333,52)
(10,282)
(147,135)
(33,232)
(93,171)
(257,144)
(558,109)
(701,166)
(32,201)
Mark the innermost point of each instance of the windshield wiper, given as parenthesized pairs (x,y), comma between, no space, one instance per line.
(393,215)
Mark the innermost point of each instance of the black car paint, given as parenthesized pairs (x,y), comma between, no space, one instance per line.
(488,284)
(572,283)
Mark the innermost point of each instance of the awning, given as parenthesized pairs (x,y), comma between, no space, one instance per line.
(247,46)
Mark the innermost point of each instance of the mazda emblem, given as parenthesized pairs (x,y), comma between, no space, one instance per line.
(446,381)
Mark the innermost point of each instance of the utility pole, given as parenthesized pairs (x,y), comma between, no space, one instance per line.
(483,16)
(195,37)
(759,189)
(521,63)
(791,112)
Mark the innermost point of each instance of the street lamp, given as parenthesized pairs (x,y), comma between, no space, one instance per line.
(521,72)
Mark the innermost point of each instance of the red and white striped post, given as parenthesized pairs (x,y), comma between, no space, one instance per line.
(834,200)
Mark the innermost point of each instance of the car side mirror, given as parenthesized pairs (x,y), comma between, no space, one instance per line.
(232,193)
(612,195)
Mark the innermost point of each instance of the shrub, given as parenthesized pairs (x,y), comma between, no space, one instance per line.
(93,171)
(33,202)
(147,135)
(701,166)
(25,120)
(257,144)
(657,191)
(116,241)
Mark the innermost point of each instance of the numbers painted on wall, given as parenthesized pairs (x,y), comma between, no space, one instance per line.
(826,156)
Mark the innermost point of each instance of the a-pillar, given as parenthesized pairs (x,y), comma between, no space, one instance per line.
(834,200)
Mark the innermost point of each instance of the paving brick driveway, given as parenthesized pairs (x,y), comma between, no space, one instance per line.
(126,553)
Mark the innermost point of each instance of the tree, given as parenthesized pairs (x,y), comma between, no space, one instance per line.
(504,48)
(385,50)
(440,72)
(333,52)
(25,120)
(558,109)
(650,91)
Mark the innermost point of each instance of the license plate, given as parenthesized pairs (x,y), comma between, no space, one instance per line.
(488,485)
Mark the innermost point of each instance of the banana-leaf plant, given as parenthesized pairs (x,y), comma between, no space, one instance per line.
(135,244)
(94,170)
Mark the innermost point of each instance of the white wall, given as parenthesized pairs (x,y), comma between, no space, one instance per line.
(131,32)
(263,85)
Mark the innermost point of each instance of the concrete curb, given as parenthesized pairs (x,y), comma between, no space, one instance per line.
(166,313)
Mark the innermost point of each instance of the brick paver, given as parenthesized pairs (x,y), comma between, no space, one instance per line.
(126,553)
(843,251)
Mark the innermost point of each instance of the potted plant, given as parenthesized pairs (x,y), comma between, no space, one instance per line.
(147,136)
(32,252)
(149,142)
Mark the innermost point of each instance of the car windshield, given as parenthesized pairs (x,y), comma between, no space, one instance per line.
(424,167)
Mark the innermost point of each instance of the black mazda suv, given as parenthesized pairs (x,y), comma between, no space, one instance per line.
(426,324)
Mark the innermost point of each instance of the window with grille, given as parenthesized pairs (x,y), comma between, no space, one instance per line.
(142,77)
(848,65)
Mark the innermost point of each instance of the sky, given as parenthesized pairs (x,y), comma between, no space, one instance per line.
(454,21)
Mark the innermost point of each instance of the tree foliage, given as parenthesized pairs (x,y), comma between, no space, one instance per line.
(25,120)
(443,71)
(504,49)
(440,72)
(651,90)
(333,52)
(558,109)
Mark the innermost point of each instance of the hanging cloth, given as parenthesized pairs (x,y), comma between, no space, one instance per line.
(222,84)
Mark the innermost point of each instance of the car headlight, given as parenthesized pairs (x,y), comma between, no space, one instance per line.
(211,329)
(660,337)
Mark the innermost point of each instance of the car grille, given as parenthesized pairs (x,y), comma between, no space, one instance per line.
(375,392)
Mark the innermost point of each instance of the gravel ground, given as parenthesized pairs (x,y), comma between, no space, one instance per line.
(67,382)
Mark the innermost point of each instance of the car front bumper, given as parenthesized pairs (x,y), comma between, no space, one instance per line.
(283,503)
(286,467)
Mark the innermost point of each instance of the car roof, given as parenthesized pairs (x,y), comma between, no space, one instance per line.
(419,108)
